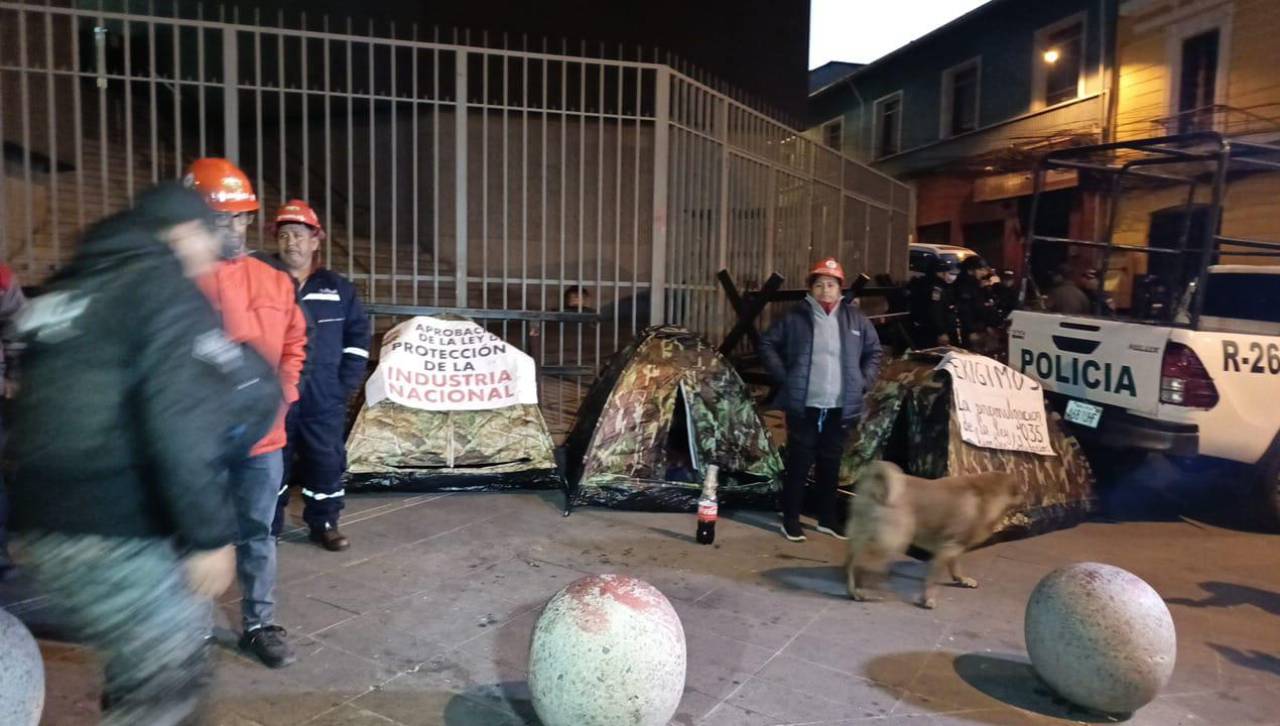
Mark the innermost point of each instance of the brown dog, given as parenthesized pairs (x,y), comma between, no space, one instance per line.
(943,516)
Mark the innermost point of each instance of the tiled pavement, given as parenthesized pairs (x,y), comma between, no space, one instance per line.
(426,620)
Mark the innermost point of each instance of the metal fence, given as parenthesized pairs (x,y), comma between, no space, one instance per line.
(447,175)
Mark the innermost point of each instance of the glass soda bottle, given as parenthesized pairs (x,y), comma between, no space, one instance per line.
(708,507)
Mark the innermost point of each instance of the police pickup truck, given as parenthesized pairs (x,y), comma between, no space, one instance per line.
(1210,389)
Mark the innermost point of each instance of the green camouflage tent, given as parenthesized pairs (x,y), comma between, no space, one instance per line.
(661,410)
(911,421)
(395,447)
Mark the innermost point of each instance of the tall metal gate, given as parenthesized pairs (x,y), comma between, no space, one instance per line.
(447,175)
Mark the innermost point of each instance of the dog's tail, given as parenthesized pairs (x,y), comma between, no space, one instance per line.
(882,483)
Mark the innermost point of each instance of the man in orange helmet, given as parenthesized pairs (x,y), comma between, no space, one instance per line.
(258,306)
(336,362)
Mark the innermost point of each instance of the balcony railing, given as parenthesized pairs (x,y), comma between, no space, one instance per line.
(1226,120)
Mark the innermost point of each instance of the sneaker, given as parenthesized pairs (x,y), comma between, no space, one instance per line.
(268,644)
(792,531)
(330,538)
(834,533)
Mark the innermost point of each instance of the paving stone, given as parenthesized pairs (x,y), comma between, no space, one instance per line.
(809,681)
(303,615)
(785,705)
(417,699)
(727,714)
(694,707)
(340,591)
(347,715)
(717,665)
(1241,706)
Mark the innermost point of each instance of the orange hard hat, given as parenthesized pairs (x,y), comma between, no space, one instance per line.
(224,187)
(297,211)
(828,267)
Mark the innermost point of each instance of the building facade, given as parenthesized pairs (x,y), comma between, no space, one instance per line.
(964,112)
(1199,65)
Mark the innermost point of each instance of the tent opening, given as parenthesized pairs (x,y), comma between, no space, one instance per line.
(681,449)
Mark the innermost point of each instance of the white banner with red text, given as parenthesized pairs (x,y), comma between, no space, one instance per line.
(450,365)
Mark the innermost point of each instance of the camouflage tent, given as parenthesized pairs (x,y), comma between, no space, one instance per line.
(911,421)
(396,447)
(662,409)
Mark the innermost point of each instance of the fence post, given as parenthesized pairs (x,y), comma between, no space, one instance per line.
(231,97)
(722,256)
(770,220)
(661,161)
(460,177)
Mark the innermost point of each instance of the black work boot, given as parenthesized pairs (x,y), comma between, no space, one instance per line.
(267,643)
(330,538)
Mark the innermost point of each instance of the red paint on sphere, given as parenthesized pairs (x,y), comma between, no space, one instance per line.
(589,593)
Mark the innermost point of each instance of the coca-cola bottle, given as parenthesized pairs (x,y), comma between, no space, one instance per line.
(708,507)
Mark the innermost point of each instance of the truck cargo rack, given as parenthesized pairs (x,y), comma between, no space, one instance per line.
(1199,160)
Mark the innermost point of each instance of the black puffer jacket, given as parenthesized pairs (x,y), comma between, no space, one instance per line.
(787,352)
(131,401)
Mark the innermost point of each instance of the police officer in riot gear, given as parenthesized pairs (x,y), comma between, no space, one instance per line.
(975,305)
(934,318)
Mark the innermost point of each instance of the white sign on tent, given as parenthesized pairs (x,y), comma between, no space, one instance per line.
(998,407)
(450,365)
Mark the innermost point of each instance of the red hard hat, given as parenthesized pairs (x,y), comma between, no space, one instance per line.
(297,211)
(828,267)
(224,187)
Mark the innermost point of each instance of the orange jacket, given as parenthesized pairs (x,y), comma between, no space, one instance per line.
(259,306)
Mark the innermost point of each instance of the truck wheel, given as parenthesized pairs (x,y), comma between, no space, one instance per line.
(1268,485)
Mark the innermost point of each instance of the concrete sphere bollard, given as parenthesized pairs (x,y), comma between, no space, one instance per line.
(1101,637)
(21,674)
(607,650)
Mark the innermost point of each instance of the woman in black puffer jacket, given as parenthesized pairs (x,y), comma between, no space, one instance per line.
(824,353)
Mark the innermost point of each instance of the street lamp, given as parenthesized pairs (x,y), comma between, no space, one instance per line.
(1051,56)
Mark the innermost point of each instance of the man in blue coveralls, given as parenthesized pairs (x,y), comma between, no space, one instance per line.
(338,356)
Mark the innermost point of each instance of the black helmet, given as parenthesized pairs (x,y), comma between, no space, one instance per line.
(942,264)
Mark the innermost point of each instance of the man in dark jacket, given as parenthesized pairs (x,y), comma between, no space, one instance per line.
(131,406)
(1005,293)
(824,353)
(338,352)
(974,303)
(934,320)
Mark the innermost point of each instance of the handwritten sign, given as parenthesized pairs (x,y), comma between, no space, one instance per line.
(450,365)
(998,407)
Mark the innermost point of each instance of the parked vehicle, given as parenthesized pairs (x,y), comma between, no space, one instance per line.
(1199,377)
(922,255)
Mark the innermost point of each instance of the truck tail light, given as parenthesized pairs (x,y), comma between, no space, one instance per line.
(1184,380)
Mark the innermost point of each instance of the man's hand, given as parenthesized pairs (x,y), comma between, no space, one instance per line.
(210,572)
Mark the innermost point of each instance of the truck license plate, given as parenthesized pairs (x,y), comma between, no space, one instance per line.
(1084,414)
